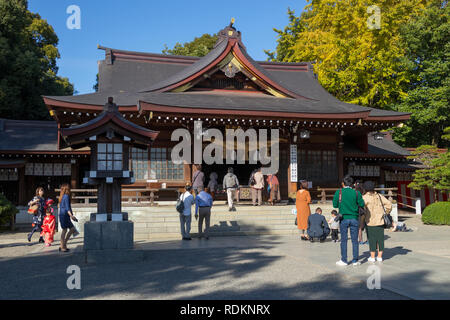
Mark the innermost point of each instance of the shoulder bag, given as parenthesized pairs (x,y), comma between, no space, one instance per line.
(386,217)
(180,204)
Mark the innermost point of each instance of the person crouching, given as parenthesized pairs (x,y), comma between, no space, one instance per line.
(318,226)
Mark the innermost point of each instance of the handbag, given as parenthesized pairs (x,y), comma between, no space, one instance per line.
(180,205)
(33,209)
(386,217)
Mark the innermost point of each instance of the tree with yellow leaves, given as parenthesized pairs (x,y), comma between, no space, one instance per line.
(354,44)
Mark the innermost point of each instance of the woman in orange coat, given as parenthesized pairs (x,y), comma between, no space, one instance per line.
(303,199)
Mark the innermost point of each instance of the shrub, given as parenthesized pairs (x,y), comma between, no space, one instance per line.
(437,213)
(7,210)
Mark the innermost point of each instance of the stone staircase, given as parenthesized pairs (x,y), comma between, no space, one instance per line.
(247,220)
(162,222)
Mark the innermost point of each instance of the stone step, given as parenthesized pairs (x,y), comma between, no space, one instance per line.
(177,235)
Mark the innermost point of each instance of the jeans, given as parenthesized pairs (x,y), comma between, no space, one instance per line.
(353,224)
(185,222)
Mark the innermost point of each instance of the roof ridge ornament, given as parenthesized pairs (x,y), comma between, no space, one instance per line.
(110,106)
(229,32)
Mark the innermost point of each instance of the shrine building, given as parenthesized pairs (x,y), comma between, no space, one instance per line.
(320,138)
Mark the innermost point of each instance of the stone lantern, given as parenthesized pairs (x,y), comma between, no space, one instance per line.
(110,138)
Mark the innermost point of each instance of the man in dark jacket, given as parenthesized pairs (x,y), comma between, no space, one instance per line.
(318,226)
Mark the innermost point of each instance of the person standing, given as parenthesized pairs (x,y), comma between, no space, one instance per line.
(231,184)
(376,206)
(358,186)
(334,225)
(258,186)
(65,215)
(39,216)
(274,189)
(49,224)
(213,184)
(185,216)
(348,200)
(303,199)
(203,205)
(198,180)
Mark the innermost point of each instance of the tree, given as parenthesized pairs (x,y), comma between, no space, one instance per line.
(7,211)
(28,67)
(288,37)
(354,62)
(436,173)
(198,47)
(427,59)
(95,86)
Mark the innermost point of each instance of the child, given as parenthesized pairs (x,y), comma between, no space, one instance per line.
(48,225)
(334,225)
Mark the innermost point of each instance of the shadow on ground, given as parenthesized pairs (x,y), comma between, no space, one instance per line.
(207,273)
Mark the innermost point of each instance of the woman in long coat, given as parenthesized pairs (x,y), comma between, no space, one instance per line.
(303,199)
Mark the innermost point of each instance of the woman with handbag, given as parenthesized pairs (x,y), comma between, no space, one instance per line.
(65,215)
(37,209)
(303,199)
(377,210)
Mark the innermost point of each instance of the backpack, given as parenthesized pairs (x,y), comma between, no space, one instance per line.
(180,204)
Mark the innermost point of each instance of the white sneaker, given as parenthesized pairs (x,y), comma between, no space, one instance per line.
(371,259)
(379,259)
(357,263)
(341,263)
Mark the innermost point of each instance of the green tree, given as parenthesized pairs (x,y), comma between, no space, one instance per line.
(28,67)
(7,211)
(95,86)
(287,37)
(198,47)
(427,59)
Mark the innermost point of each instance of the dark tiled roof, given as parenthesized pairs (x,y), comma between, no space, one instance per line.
(190,70)
(384,147)
(131,75)
(19,135)
(246,102)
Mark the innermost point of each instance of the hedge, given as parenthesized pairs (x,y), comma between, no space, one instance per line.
(437,213)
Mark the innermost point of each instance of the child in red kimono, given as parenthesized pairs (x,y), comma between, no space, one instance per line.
(49,223)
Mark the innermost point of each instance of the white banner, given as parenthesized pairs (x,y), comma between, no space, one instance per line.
(294,163)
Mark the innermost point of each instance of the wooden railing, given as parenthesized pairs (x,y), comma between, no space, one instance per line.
(142,195)
(325,193)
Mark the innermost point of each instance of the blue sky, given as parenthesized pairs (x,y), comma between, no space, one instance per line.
(146,25)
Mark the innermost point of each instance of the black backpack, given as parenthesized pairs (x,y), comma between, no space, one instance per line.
(180,205)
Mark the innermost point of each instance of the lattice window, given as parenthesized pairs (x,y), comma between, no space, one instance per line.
(109,156)
(139,163)
(317,165)
(162,168)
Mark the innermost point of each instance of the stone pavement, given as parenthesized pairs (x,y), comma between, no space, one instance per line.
(252,267)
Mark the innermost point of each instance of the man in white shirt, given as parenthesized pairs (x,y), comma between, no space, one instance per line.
(185,217)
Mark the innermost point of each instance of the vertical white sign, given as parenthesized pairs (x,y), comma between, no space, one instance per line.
(294,163)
